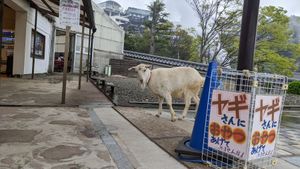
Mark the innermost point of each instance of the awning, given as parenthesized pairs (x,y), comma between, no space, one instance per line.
(51,7)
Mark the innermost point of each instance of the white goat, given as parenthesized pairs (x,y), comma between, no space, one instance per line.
(168,82)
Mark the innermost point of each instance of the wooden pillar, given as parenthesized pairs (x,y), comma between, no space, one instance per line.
(66,56)
(81,53)
(88,58)
(34,44)
(248,34)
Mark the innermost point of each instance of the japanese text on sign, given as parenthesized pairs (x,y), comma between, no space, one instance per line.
(69,12)
(265,123)
(228,125)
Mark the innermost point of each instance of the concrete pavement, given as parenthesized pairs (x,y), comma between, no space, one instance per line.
(37,132)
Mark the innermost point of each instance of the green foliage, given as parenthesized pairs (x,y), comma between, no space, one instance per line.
(160,37)
(219,28)
(274,51)
(158,22)
(181,42)
(194,50)
(137,42)
(294,87)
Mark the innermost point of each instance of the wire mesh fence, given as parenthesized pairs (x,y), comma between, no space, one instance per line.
(243,124)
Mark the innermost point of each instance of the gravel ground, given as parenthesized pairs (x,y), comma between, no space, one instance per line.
(127,89)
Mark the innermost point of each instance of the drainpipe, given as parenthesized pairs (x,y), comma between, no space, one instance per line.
(81,52)
(88,57)
(91,53)
(34,43)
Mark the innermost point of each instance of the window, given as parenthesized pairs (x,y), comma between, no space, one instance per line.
(39,45)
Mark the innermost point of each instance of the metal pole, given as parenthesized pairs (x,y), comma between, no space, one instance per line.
(81,53)
(67,43)
(88,58)
(91,57)
(248,34)
(1,32)
(34,44)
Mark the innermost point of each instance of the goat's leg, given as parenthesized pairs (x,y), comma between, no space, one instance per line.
(169,102)
(187,100)
(160,101)
(196,100)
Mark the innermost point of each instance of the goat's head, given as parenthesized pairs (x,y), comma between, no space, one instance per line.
(144,73)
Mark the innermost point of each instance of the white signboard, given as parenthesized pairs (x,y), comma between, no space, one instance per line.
(228,124)
(265,124)
(69,12)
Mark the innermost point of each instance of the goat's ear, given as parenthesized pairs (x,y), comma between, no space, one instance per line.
(148,66)
(131,68)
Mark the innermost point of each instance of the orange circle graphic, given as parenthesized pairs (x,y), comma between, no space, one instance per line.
(255,138)
(264,137)
(272,136)
(239,135)
(214,129)
(226,132)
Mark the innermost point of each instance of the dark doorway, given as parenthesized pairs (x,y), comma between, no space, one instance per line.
(59,51)
(8,40)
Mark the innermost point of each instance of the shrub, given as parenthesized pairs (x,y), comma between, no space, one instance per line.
(294,87)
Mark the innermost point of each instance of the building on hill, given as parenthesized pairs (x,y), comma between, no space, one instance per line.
(132,19)
(111,8)
(137,18)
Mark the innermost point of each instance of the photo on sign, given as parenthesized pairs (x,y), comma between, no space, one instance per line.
(39,48)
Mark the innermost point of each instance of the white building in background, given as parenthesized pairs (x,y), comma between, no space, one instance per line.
(18,24)
(120,20)
(132,19)
(111,8)
(115,11)
(109,39)
(108,43)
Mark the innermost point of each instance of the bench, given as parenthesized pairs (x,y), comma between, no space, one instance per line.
(105,86)
(99,81)
(110,86)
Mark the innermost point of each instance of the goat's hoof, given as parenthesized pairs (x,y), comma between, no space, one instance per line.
(181,118)
(157,115)
(173,119)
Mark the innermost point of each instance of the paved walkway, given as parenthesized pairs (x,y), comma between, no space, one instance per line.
(167,134)
(37,132)
(89,133)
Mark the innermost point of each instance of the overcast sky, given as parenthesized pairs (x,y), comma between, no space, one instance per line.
(181,12)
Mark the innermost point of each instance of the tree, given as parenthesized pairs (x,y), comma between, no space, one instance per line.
(157,22)
(163,39)
(219,28)
(137,42)
(275,53)
(181,42)
(219,36)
